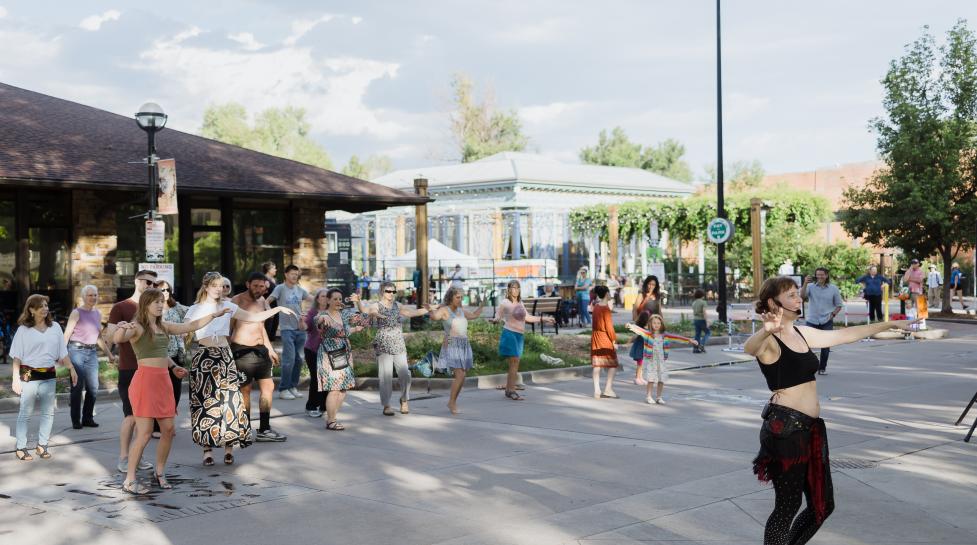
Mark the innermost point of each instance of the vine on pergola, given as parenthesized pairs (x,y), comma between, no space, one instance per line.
(687,218)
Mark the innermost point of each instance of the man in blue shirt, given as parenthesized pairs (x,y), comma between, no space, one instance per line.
(956,284)
(824,303)
(872,284)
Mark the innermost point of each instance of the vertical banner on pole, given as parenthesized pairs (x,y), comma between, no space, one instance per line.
(166,201)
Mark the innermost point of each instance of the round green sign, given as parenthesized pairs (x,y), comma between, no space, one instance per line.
(720,230)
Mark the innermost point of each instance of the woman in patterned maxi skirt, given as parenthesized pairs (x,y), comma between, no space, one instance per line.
(217,414)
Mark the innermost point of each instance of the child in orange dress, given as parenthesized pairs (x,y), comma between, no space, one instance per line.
(603,343)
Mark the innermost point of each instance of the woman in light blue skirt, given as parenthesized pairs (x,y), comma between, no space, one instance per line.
(456,351)
(512,313)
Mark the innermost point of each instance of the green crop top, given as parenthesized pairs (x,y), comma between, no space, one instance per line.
(151,346)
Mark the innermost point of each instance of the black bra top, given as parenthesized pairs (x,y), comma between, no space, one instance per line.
(791,368)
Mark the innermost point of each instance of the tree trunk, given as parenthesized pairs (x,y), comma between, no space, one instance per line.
(947,300)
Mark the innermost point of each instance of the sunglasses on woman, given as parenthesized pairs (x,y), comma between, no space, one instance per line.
(389,291)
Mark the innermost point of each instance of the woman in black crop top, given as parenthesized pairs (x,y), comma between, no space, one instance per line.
(793,441)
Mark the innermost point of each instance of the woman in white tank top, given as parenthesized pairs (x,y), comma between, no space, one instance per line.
(456,351)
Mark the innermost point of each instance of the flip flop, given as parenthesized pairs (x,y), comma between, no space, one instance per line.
(135,488)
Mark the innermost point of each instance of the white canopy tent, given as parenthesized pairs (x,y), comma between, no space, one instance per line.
(438,255)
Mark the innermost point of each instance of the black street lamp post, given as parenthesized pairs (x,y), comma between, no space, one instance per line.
(721,208)
(151,119)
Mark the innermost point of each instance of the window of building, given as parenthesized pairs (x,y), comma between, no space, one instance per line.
(206,241)
(8,246)
(47,218)
(260,235)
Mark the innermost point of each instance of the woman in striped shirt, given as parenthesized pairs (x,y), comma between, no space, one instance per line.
(657,343)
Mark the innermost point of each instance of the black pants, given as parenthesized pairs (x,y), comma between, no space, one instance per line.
(782,527)
(828,326)
(874,307)
(317,399)
(177,392)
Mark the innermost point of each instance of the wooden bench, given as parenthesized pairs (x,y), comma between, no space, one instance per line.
(544,306)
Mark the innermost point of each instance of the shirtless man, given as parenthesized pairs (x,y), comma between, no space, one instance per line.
(254,355)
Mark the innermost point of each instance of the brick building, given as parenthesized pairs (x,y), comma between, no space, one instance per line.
(72,192)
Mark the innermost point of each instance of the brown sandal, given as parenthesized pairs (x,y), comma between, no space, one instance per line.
(335,426)
(43,452)
(23,455)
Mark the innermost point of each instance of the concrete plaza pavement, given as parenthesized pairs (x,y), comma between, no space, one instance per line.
(559,467)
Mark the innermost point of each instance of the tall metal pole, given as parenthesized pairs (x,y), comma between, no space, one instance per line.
(420,187)
(151,169)
(720,205)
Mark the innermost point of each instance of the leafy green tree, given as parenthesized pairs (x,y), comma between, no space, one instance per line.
(924,200)
(282,132)
(619,151)
(368,169)
(616,150)
(228,123)
(478,128)
(666,159)
(845,262)
(739,175)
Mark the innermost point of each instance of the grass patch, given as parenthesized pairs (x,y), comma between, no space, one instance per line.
(484,338)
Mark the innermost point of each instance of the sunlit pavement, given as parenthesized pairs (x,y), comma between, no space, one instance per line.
(559,467)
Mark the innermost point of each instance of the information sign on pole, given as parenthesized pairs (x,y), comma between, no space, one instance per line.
(719,231)
(155,240)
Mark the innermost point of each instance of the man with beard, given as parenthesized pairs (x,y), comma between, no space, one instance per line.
(255,356)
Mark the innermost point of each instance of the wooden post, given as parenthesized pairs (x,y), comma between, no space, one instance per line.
(755,205)
(420,187)
(401,227)
(612,230)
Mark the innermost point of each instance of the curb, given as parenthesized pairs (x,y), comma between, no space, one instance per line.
(483,382)
(953,320)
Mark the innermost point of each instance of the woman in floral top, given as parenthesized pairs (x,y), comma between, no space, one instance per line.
(389,345)
(334,362)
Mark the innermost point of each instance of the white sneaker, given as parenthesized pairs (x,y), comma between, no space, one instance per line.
(649,400)
(660,401)
(295,392)
(286,394)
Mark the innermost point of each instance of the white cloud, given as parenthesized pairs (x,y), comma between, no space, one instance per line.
(356,20)
(94,22)
(3,12)
(744,106)
(550,113)
(302,27)
(247,41)
(331,90)
(549,30)
(27,48)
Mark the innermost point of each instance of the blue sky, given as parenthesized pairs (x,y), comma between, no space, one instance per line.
(801,80)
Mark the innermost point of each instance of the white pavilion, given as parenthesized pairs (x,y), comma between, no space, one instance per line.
(508,206)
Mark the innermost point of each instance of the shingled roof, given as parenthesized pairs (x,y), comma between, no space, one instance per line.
(48,142)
